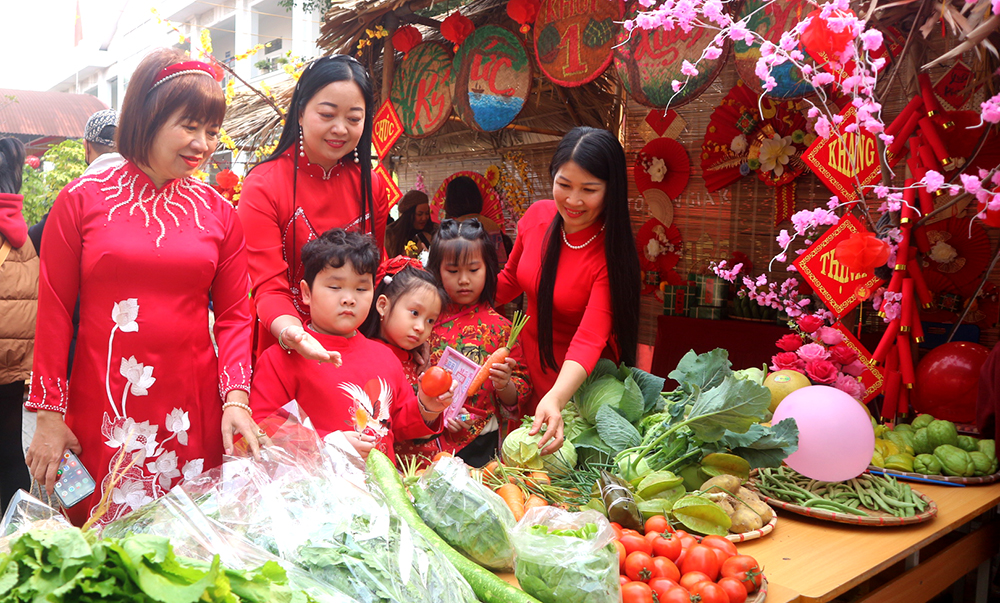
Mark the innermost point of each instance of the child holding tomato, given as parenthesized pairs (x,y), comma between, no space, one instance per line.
(463,259)
(366,395)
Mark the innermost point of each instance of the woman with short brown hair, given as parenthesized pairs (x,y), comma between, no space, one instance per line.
(148,248)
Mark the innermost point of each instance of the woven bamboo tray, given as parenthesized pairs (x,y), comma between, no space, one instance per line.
(876,518)
(968,481)
(761,594)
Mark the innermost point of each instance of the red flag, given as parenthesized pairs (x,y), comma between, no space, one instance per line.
(78,26)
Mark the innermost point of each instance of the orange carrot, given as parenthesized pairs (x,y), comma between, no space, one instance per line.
(514,497)
(535,501)
(490,470)
(498,356)
(541,478)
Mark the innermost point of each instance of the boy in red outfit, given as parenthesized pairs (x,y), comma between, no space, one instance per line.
(366,396)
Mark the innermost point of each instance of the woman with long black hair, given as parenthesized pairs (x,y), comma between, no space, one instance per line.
(576,260)
(318,177)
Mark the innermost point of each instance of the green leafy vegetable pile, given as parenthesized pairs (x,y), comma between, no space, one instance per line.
(65,566)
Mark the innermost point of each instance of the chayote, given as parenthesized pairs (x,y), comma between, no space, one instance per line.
(989,448)
(954,461)
(927,464)
(940,433)
(921,421)
(903,427)
(920,443)
(982,463)
(967,443)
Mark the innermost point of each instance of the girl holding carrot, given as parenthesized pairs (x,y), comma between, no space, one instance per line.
(576,261)
(463,259)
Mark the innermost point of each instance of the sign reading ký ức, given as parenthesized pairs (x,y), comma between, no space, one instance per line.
(840,287)
(848,160)
(492,78)
(574,39)
(422,88)
(872,379)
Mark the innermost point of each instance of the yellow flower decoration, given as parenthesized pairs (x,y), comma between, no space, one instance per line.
(206,42)
(230,91)
(493,175)
(200,175)
(226,141)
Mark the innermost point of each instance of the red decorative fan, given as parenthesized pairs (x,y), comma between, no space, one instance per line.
(492,208)
(659,249)
(737,134)
(957,256)
(663,163)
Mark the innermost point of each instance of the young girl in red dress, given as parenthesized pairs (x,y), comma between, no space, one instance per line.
(407,304)
(463,259)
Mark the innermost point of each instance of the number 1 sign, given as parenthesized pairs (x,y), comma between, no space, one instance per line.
(574,39)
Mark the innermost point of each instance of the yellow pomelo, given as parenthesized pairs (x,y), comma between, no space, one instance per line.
(781,383)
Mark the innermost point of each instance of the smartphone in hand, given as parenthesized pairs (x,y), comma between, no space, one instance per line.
(73,481)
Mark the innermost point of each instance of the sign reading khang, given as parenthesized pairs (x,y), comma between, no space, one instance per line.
(872,379)
(421,89)
(574,39)
(386,129)
(840,287)
(492,78)
(391,188)
(846,160)
(649,60)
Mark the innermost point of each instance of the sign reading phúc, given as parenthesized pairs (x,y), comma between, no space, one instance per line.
(386,129)
(838,286)
(846,160)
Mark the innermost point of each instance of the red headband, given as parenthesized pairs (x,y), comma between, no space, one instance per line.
(171,71)
(394,266)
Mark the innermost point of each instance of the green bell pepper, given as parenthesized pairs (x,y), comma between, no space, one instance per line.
(954,461)
(940,433)
(927,464)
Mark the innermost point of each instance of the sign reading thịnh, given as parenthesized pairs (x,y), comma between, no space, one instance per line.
(840,287)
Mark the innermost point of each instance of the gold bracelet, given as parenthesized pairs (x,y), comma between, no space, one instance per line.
(245,407)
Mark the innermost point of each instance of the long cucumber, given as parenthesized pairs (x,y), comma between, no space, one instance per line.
(488,587)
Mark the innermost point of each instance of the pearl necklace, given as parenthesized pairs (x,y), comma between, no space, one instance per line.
(589,241)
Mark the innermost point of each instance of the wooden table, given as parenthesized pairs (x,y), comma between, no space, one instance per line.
(820,560)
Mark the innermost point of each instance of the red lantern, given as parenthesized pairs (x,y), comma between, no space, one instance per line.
(227,179)
(862,251)
(406,38)
(822,43)
(456,28)
(33,161)
(524,12)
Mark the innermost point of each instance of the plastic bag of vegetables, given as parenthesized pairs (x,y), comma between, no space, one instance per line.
(562,556)
(467,514)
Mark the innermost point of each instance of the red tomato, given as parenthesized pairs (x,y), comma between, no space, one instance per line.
(621,556)
(625,580)
(635,542)
(658,523)
(639,566)
(720,556)
(661,586)
(667,545)
(701,559)
(720,543)
(734,588)
(650,535)
(710,592)
(690,579)
(637,592)
(745,569)
(688,541)
(663,567)
(677,595)
(618,530)
(680,558)
(630,531)
(435,381)
(681,533)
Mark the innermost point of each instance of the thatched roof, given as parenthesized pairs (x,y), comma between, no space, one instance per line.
(550,110)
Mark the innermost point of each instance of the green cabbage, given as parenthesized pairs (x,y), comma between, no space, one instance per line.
(624,396)
(752,374)
(521,450)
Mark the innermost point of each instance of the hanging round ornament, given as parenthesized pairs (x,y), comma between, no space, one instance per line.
(524,12)
(574,40)
(492,78)
(659,248)
(406,38)
(766,138)
(422,89)
(492,207)
(770,19)
(649,60)
(663,164)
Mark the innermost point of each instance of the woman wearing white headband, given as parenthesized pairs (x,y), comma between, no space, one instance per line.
(147,247)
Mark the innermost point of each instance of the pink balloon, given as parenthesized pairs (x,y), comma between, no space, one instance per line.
(836,438)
